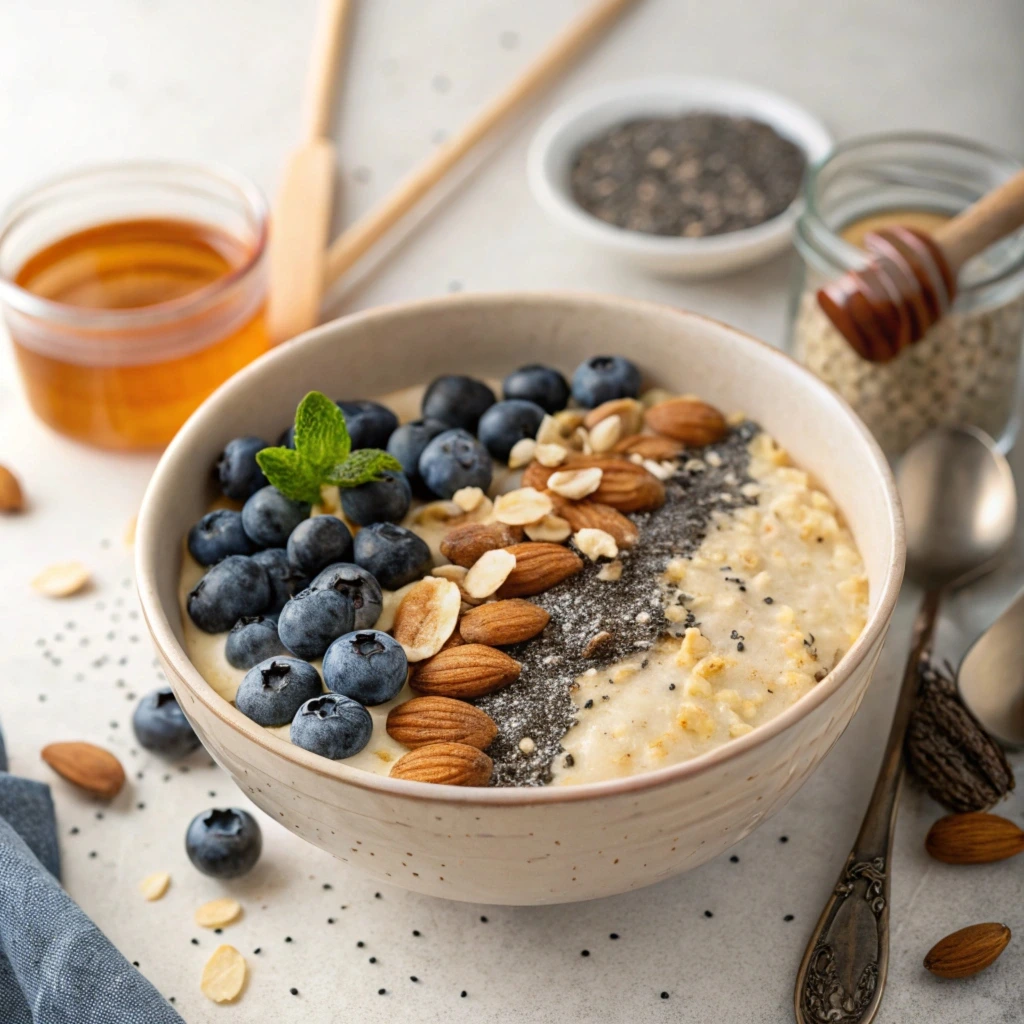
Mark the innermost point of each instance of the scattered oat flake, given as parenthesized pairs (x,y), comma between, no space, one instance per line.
(224,975)
(218,913)
(129,531)
(154,886)
(61,580)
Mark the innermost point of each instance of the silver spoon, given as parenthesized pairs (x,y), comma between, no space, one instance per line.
(960,507)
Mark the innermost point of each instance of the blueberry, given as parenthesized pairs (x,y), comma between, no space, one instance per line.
(380,501)
(217,535)
(362,588)
(407,443)
(161,726)
(224,843)
(240,476)
(392,554)
(370,424)
(453,460)
(507,422)
(285,582)
(313,619)
(318,542)
(252,640)
(368,666)
(332,726)
(231,590)
(275,689)
(540,384)
(457,401)
(269,517)
(602,378)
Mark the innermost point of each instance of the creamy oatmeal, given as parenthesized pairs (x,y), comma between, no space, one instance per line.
(724,588)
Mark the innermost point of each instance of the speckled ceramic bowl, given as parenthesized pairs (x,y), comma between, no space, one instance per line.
(527,846)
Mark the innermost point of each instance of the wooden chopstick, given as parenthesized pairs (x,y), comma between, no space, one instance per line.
(368,230)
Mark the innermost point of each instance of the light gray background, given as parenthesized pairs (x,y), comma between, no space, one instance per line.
(222,80)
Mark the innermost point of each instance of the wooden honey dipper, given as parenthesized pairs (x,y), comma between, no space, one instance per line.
(911,280)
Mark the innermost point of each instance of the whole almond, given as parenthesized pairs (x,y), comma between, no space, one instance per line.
(976,838)
(650,446)
(586,514)
(503,622)
(689,420)
(464,544)
(445,764)
(427,616)
(87,766)
(465,672)
(629,411)
(539,566)
(11,497)
(624,485)
(423,720)
(968,950)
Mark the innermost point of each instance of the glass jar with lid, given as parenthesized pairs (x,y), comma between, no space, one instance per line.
(967,368)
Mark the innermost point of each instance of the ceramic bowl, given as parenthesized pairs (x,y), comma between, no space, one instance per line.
(531,845)
(571,126)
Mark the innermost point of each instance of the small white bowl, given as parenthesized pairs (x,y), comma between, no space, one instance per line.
(570,127)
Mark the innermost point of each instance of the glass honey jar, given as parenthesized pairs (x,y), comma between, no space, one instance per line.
(130,292)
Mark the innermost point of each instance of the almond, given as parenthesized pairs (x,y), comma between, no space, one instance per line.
(522,507)
(455,640)
(976,838)
(423,720)
(689,420)
(650,446)
(968,950)
(445,764)
(539,566)
(629,411)
(85,765)
(503,622)
(624,486)
(428,614)
(464,544)
(591,514)
(466,671)
(11,497)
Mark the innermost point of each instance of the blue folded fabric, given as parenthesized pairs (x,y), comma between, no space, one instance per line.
(56,967)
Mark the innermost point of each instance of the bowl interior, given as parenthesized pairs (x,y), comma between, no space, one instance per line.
(382,350)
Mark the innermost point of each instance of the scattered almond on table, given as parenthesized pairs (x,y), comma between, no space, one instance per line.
(967,951)
(976,838)
(11,497)
(87,766)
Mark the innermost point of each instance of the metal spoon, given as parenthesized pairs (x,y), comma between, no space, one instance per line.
(960,507)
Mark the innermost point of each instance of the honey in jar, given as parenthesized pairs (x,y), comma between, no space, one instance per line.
(122,326)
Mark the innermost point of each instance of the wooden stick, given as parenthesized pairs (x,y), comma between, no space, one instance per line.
(992,217)
(369,229)
(301,223)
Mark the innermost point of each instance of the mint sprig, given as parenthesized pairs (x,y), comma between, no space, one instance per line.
(322,454)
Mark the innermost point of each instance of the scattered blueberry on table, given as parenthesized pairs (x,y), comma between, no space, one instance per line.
(161,726)
(224,843)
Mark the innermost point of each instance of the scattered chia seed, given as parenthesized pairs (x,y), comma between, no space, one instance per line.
(294,991)
(734,859)
(614,935)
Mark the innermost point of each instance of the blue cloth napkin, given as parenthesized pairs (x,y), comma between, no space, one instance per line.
(56,967)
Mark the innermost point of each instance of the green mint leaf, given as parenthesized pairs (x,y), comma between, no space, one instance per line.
(321,437)
(290,473)
(363,466)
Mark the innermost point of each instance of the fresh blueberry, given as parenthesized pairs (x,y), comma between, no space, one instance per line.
(251,641)
(392,554)
(602,378)
(217,535)
(385,500)
(161,726)
(224,843)
(233,589)
(457,401)
(507,422)
(269,517)
(240,476)
(284,581)
(273,690)
(318,542)
(368,666)
(363,590)
(332,726)
(313,619)
(453,460)
(540,384)
(407,443)
(370,424)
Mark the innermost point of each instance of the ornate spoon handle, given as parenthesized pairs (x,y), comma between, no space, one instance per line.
(842,975)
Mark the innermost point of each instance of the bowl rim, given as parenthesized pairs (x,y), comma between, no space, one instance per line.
(161,489)
(695,92)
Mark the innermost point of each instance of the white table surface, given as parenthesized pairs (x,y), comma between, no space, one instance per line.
(222,80)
